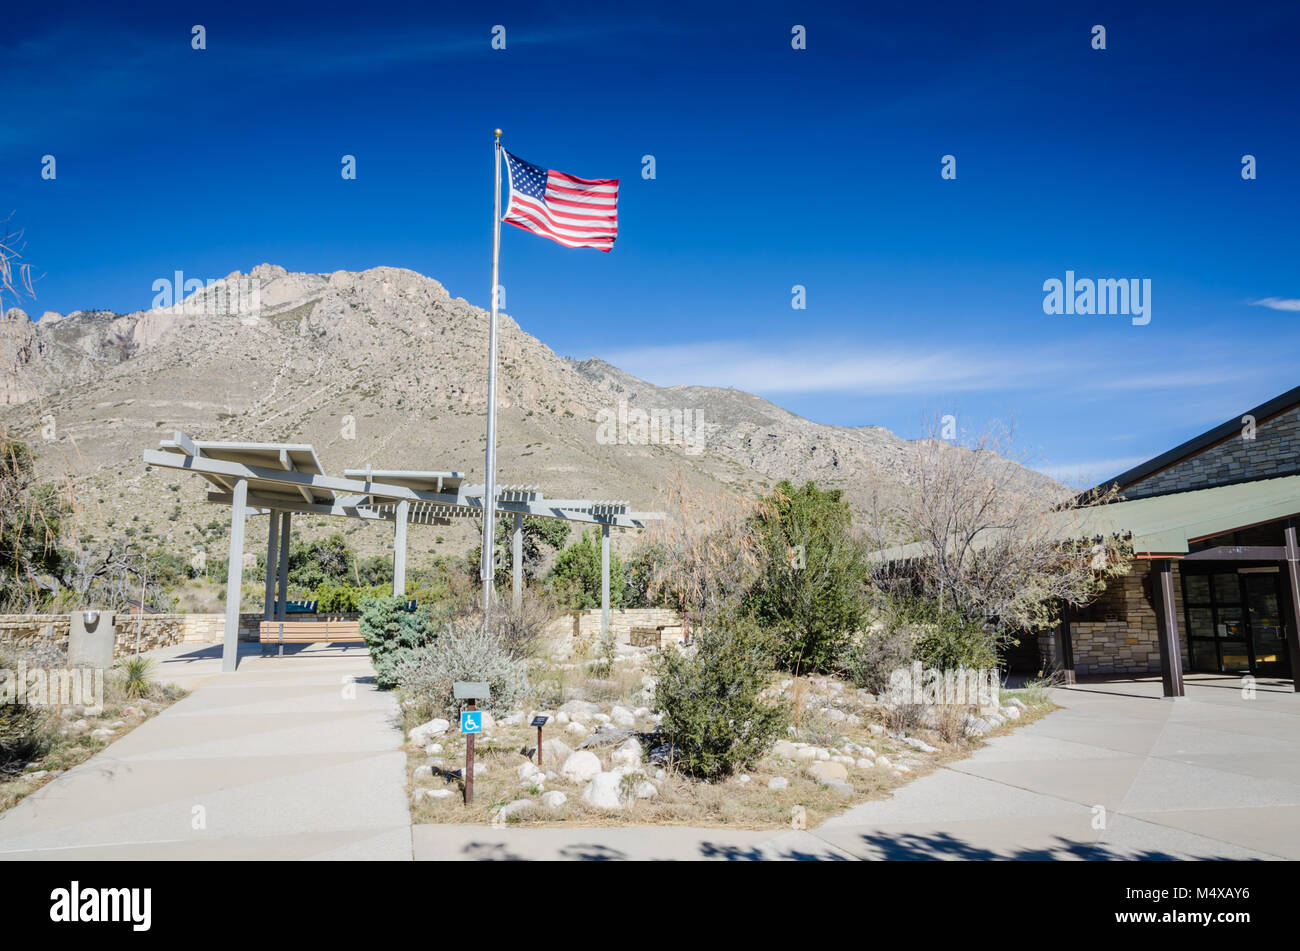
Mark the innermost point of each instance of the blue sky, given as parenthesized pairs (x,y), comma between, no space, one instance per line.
(775,167)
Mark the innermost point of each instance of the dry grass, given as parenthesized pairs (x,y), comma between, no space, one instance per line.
(71,746)
(684,801)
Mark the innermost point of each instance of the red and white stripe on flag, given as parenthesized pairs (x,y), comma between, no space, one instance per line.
(576,212)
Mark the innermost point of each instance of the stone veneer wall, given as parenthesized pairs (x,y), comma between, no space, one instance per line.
(154,630)
(585,625)
(1274,451)
(1128,644)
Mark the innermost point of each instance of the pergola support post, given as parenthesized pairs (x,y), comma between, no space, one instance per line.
(604,581)
(1065,645)
(517,563)
(1162,597)
(1293,584)
(286,533)
(399,548)
(272,564)
(234,577)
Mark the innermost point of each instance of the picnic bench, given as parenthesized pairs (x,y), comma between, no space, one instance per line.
(310,632)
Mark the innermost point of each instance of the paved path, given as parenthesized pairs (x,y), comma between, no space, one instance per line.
(283,765)
(1215,776)
(274,758)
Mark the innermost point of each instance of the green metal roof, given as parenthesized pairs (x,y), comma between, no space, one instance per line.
(1164,524)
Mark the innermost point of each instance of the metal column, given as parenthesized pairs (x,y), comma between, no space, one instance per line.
(234,576)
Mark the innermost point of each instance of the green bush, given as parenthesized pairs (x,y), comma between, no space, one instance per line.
(911,628)
(575,579)
(463,651)
(26,730)
(137,675)
(333,598)
(810,591)
(877,652)
(710,695)
(392,634)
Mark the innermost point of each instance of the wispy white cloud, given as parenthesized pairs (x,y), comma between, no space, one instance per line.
(772,368)
(1089,472)
(1278,303)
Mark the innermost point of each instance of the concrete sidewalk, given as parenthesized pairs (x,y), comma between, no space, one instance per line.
(270,762)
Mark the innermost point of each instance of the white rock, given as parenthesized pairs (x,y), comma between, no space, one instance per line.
(438,793)
(823,754)
(561,719)
(844,760)
(919,744)
(580,767)
(882,762)
(554,799)
(784,749)
(824,770)
(601,717)
(805,754)
(836,716)
(422,772)
(605,791)
(876,729)
(641,712)
(778,782)
(1017,702)
(576,730)
(646,790)
(101,734)
(422,734)
(742,779)
(513,809)
(628,754)
(1011,713)
(865,763)
(433,749)
(513,719)
(621,716)
(556,750)
(527,769)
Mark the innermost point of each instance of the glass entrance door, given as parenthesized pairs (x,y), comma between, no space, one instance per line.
(1233,623)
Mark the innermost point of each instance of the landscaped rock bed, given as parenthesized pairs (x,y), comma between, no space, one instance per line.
(605,761)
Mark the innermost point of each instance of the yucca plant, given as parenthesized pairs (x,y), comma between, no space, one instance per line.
(137,675)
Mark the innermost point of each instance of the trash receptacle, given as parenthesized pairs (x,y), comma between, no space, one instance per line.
(91,638)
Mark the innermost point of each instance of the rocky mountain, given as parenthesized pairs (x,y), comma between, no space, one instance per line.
(381,367)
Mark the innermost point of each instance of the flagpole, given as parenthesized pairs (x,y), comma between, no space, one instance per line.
(487,566)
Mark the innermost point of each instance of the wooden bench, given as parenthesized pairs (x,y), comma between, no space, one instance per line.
(310,632)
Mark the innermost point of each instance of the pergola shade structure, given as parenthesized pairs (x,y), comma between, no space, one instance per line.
(279,479)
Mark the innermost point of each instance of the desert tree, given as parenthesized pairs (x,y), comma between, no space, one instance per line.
(704,555)
(989,538)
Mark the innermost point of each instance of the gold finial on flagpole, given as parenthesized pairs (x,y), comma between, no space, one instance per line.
(497,133)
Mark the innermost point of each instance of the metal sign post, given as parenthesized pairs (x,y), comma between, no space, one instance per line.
(471,723)
(539,722)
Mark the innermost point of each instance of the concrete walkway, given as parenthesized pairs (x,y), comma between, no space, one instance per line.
(279,760)
(1117,774)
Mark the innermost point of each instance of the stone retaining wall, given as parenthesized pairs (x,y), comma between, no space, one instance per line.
(148,632)
(584,626)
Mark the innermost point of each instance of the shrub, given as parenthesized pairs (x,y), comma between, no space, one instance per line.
(877,652)
(463,650)
(392,634)
(575,579)
(333,598)
(714,716)
(810,590)
(137,676)
(26,730)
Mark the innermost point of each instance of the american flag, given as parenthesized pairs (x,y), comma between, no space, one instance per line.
(576,212)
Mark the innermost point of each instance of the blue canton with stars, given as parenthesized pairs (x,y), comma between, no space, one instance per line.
(527,178)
